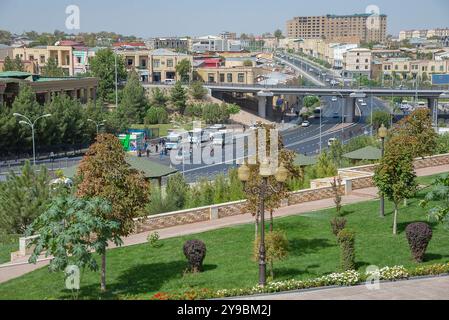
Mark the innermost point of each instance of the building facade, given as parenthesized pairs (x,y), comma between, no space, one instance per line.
(357,62)
(354,28)
(162,64)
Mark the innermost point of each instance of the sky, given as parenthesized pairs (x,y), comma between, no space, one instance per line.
(152,18)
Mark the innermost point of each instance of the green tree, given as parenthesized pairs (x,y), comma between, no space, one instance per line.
(84,231)
(418,125)
(52,69)
(278,34)
(379,118)
(23,198)
(184,68)
(276,246)
(134,104)
(156,115)
(336,152)
(68,124)
(18,64)
(9,65)
(310,101)
(325,167)
(178,97)
(103,67)
(395,176)
(158,98)
(440,193)
(104,173)
(177,189)
(197,90)
(247,63)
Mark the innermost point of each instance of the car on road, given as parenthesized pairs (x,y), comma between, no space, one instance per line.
(363,104)
(360,100)
(334,99)
(336,115)
(331,141)
(305,124)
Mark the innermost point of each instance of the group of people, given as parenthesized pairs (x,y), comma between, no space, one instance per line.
(156,148)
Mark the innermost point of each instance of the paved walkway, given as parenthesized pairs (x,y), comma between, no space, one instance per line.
(418,289)
(11,271)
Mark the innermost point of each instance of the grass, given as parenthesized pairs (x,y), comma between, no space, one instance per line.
(8,244)
(140,271)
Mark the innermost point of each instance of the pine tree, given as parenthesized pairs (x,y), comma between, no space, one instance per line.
(52,69)
(134,104)
(178,97)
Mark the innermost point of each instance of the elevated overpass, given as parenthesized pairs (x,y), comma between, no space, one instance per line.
(348,94)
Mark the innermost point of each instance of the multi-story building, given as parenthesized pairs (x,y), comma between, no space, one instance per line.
(63,55)
(173,43)
(230,75)
(215,44)
(354,28)
(81,58)
(425,34)
(228,35)
(404,68)
(137,60)
(162,64)
(357,62)
(336,53)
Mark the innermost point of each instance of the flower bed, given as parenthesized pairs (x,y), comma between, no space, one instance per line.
(348,278)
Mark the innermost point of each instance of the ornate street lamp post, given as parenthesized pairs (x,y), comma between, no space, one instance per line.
(383,132)
(264,190)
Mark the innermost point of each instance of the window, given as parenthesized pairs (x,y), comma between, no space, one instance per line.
(170,63)
(42,59)
(156,63)
(143,63)
(405,67)
(78,60)
(229,77)
(222,77)
(129,62)
(241,77)
(210,77)
(31,57)
(357,67)
(366,67)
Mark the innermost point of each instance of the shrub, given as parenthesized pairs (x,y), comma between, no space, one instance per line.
(195,252)
(338,224)
(276,247)
(346,239)
(153,239)
(156,115)
(418,235)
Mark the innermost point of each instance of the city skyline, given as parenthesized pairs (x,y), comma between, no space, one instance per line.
(198,17)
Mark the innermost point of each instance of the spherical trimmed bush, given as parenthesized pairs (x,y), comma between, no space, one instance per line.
(195,252)
(418,235)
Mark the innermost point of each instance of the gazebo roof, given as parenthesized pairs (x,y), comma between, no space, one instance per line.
(150,169)
(302,160)
(367,153)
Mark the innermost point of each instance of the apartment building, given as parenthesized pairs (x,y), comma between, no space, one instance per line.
(229,75)
(63,56)
(425,34)
(354,28)
(357,62)
(404,68)
(162,64)
(173,43)
(215,44)
(136,59)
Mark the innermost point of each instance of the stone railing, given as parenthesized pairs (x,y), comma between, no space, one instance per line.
(353,179)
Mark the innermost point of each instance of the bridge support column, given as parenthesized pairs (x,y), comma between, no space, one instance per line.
(269,112)
(432,104)
(349,110)
(262,107)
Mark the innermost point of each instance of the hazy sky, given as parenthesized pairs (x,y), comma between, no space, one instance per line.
(200,17)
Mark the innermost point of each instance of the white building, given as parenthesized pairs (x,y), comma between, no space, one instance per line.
(337,51)
(215,44)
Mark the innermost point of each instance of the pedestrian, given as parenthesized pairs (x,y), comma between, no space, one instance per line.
(148,150)
(161,155)
(157,148)
(52,157)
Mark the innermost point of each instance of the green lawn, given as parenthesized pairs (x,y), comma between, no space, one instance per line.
(8,244)
(140,271)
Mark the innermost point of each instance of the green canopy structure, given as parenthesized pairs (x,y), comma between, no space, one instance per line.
(367,153)
(150,169)
(304,161)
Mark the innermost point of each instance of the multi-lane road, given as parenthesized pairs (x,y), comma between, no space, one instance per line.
(301,140)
